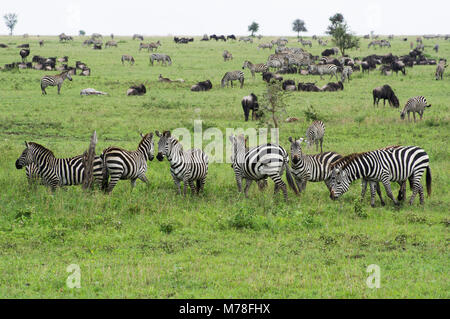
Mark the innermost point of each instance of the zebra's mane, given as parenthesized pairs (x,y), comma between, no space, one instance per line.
(346,160)
(143,139)
(40,147)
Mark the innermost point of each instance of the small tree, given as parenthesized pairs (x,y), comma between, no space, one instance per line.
(299,26)
(10,21)
(342,37)
(273,104)
(82,33)
(254,27)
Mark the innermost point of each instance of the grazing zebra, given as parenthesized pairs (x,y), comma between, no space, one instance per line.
(255,68)
(127,57)
(144,46)
(305,42)
(298,59)
(122,164)
(41,162)
(54,80)
(323,69)
(313,168)
(414,104)
(154,45)
(111,44)
(258,163)
(188,167)
(440,68)
(394,164)
(346,73)
(163,58)
(246,39)
(265,46)
(232,76)
(315,133)
(227,56)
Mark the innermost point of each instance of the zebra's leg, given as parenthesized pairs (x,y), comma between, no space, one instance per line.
(239,183)
(248,183)
(201,185)
(59,88)
(387,186)
(143,178)
(414,116)
(377,185)
(409,119)
(421,114)
(372,193)
(177,184)
(112,183)
(192,186)
(363,188)
(133,182)
(279,184)
(321,142)
(402,191)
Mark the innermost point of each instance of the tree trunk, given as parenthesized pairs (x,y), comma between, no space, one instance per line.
(88,162)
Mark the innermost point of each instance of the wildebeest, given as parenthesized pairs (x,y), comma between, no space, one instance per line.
(138,36)
(440,69)
(231,37)
(202,86)
(288,84)
(91,91)
(269,76)
(332,87)
(137,90)
(2,45)
(308,87)
(385,92)
(22,46)
(24,53)
(398,66)
(287,70)
(250,102)
(41,43)
(329,52)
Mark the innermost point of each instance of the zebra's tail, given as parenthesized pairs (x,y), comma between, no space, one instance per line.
(290,179)
(428,179)
(105,173)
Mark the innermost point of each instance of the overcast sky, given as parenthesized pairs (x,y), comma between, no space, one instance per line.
(196,17)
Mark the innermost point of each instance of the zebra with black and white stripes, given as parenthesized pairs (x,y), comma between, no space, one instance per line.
(414,104)
(122,164)
(255,68)
(315,133)
(127,57)
(331,69)
(163,58)
(258,163)
(347,71)
(233,76)
(54,80)
(189,166)
(396,164)
(440,68)
(313,168)
(55,172)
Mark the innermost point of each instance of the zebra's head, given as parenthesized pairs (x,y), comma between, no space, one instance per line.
(66,75)
(164,145)
(238,146)
(296,149)
(27,156)
(339,183)
(245,65)
(147,145)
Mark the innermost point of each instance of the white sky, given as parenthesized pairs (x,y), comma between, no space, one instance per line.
(196,17)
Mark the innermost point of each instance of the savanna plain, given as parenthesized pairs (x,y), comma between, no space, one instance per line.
(153,243)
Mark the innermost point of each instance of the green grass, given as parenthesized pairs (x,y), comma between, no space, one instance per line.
(151,243)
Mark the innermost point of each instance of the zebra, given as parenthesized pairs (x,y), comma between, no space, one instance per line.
(265,46)
(414,104)
(395,164)
(189,166)
(297,59)
(305,42)
(323,69)
(227,56)
(163,58)
(154,45)
(258,163)
(54,80)
(274,63)
(111,44)
(255,68)
(246,39)
(232,76)
(440,68)
(346,73)
(55,172)
(127,57)
(122,164)
(313,168)
(315,133)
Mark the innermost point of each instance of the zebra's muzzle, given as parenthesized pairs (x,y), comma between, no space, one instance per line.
(18,165)
(332,195)
(295,159)
(160,157)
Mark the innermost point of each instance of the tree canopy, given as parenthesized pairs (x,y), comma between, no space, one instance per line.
(254,27)
(342,37)
(10,21)
(299,26)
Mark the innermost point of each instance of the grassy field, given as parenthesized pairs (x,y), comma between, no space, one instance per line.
(151,243)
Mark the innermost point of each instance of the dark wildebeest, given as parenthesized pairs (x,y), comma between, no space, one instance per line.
(385,92)
(398,66)
(328,52)
(289,85)
(308,87)
(202,86)
(22,46)
(269,76)
(137,90)
(332,87)
(24,53)
(250,102)
(231,37)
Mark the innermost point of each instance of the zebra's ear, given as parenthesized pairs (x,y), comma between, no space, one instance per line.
(142,135)
(231,137)
(157,133)
(300,140)
(290,139)
(26,144)
(167,134)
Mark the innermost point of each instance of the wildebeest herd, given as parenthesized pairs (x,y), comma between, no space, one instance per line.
(390,164)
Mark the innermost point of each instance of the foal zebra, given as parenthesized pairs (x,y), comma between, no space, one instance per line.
(315,133)
(258,163)
(127,57)
(255,68)
(232,76)
(163,58)
(185,166)
(385,165)
(41,162)
(54,80)
(414,104)
(346,73)
(313,168)
(122,164)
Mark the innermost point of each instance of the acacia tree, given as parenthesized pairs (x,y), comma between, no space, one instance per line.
(254,27)
(272,107)
(342,37)
(299,26)
(10,21)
